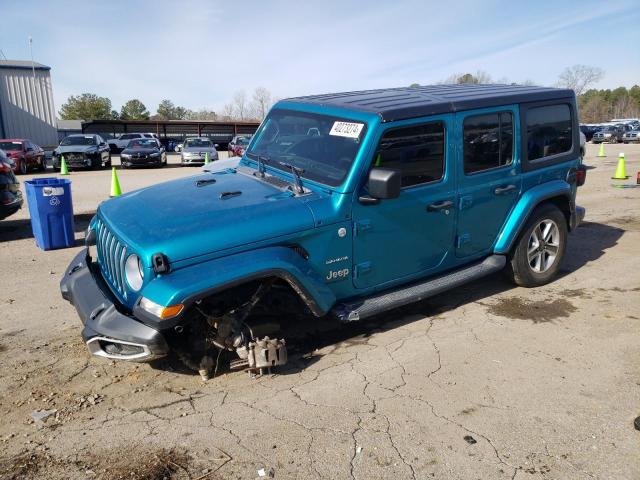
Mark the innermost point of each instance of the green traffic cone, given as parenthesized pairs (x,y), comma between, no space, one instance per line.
(63,166)
(621,173)
(601,151)
(206,158)
(115,184)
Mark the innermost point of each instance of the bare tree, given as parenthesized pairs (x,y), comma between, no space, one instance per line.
(240,104)
(228,112)
(261,103)
(579,77)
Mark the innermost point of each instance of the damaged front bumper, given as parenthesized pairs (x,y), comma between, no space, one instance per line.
(108,332)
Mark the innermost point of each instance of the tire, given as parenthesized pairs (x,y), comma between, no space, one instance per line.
(529,266)
(43,164)
(22,167)
(108,162)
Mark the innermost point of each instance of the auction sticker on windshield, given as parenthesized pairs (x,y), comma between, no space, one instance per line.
(346,129)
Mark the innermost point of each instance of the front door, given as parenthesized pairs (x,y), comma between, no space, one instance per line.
(488,177)
(411,235)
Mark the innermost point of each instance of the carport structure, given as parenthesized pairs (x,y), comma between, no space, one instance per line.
(220,132)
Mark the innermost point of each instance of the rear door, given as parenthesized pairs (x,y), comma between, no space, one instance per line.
(409,236)
(489,180)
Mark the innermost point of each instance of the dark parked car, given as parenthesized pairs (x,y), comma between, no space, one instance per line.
(589,131)
(238,145)
(83,151)
(10,194)
(143,152)
(609,134)
(25,154)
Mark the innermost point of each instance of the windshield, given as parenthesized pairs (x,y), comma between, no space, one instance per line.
(11,146)
(142,143)
(242,141)
(321,147)
(79,140)
(198,142)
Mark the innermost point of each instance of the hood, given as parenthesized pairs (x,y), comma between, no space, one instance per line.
(143,151)
(183,220)
(198,149)
(75,148)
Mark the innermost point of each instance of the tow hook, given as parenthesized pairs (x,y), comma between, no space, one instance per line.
(259,356)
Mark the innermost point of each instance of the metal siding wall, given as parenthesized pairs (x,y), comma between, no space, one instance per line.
(27,106)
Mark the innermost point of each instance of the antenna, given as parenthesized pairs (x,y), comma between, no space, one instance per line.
(2,53)
(33,66)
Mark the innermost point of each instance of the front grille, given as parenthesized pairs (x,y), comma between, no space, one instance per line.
(112,254)
(74,157)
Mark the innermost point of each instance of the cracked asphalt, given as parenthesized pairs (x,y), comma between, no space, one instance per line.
(488,381)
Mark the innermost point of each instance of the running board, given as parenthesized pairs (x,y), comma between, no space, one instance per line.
(363,308)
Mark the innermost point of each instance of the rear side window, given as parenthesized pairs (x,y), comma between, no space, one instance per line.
(417,151)
(549,131)
(488,142)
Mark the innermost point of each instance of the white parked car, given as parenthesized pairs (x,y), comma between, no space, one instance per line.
(120,143)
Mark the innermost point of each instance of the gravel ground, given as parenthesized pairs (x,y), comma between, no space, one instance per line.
(487,381)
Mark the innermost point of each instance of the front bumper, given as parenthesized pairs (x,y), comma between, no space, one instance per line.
(141,162)
(8,209)
(107,331)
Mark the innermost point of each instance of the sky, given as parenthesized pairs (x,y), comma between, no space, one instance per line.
(198,53)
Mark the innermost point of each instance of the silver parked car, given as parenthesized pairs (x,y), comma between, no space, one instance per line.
(609,134)
(632,136)
(194,151)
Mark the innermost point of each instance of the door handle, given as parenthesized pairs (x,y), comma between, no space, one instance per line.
(435,207)
(507,189)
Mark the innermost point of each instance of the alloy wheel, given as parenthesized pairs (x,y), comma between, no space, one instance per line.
(543,246)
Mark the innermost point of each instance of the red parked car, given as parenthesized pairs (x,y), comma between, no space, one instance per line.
(25,154)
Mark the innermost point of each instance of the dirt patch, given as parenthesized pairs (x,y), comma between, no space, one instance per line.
(536,311)
(574,293)
(3,348)
(161,464)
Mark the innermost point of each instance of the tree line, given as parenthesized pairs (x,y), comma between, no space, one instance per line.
(89,106)
(594,106)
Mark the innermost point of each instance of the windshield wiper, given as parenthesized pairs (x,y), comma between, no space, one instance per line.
(296,175)
(262,161)
(261,165)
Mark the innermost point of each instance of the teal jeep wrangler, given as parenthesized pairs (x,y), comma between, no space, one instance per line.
(346,204)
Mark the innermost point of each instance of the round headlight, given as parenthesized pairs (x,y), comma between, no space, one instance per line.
(134,272)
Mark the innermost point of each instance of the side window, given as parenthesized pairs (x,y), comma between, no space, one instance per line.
(549,131)
(488,142)
(417,151)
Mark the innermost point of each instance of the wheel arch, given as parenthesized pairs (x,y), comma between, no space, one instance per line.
(557,193)
(190,284)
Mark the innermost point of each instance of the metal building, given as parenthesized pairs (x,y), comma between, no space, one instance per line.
(26,102)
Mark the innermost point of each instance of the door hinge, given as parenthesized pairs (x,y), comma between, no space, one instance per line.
(361,269)
(361,226)
(465,201)
(463,239)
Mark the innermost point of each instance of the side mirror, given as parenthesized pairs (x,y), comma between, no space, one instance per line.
(215,145)
(103,144)
(383,184)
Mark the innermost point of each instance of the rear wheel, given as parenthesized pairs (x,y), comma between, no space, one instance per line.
(536,258)
(42,166)
(22,166)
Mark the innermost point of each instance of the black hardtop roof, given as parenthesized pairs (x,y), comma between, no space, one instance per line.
(410,102)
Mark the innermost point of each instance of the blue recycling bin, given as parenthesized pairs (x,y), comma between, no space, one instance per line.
(51,211)
(171,146)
